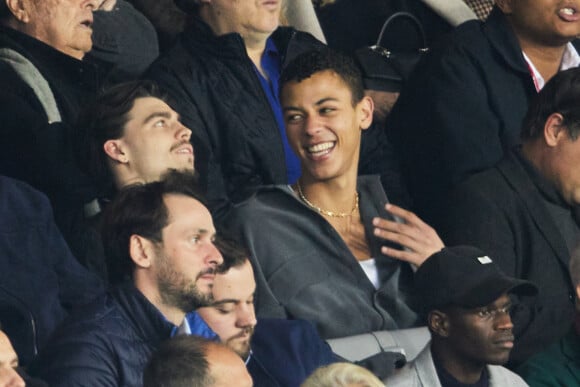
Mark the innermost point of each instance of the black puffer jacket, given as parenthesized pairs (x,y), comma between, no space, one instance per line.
(216,90)
(106,343)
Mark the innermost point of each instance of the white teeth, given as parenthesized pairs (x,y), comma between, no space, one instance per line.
(567,11)
(320,147)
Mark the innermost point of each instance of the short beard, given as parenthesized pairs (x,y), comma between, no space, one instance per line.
(177,291)
(245,352)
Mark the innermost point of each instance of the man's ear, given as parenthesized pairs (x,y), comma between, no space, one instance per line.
(438,322)
(114,149)
(19,9)
(142,251)
(366,107)
(554,131)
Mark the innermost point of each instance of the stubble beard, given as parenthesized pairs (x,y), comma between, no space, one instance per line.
(177,291)
(241,348)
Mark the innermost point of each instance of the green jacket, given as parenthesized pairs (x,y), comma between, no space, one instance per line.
(559,365)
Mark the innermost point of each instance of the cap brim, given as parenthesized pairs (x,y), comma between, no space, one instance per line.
(491,289)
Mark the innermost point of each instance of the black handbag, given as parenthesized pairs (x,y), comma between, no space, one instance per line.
(401,44)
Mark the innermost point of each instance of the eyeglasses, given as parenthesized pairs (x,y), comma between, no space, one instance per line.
(491,313)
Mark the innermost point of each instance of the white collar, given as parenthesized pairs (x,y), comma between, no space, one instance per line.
(570,59)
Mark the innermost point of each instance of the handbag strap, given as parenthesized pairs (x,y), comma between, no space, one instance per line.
(404,15)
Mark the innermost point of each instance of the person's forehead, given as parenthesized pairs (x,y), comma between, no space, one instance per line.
(143,106)
(188,211)
(325,81)
(234,284)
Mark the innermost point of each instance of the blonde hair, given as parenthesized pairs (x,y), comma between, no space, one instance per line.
(342,375)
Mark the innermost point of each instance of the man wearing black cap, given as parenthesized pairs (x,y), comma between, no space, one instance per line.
(466,299)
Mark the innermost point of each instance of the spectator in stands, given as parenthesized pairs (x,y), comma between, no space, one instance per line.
(40,280)
(342,375)
(277,352)
(523,212)
(325,247)
(464,105)
(559,364)
(466,299)
(124,41)
(195,361)
(133,136)
(223,76)
(8,362)
(43,85)
(160,235)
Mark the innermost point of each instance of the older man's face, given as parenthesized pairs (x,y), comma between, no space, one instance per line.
(63,24)
(252,19)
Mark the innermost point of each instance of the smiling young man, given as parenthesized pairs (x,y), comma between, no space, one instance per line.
(223,75)
(325,254)
(277,352)
(159,236)
(466,299)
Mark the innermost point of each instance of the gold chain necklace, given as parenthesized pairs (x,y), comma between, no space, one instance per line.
(332,214)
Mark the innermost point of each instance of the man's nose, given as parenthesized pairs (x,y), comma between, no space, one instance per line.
(246,316)
(503,320)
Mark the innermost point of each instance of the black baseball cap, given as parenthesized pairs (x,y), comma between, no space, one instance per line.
(464,276)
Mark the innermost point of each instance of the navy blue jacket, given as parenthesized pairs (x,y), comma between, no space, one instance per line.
(107,343)
(40,281)
(286,352)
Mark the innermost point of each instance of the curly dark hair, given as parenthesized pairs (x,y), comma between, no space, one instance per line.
(311,62)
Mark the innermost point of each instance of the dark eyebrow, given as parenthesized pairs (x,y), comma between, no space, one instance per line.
(317,103)
(163,114)
(323,100)
(226,301)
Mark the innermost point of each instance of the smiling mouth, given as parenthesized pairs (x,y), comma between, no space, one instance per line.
(321,148)
(568,13)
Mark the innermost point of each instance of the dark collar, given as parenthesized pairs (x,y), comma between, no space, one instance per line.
(546,187)
(503,39)
(61,67)
(147,320)
(198,33)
